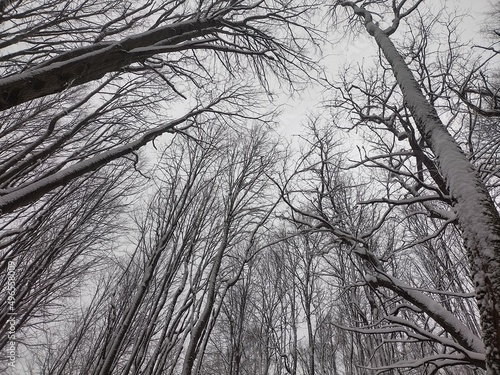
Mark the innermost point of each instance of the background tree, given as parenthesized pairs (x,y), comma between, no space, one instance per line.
(391,311)
(161,300)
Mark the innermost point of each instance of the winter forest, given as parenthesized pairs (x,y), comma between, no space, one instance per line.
(249,187)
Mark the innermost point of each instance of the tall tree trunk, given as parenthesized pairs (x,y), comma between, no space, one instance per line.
(201,325)
(477,216)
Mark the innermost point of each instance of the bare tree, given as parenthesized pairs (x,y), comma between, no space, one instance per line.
(57,248)
(476,212)
(85,85)
(155,311)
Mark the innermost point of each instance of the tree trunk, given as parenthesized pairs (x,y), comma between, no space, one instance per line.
(477,215)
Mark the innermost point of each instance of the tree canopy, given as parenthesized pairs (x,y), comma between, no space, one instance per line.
(154,219)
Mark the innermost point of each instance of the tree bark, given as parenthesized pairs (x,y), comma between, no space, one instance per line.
(477,216)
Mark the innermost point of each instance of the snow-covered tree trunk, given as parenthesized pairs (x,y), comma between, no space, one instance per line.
(477,216)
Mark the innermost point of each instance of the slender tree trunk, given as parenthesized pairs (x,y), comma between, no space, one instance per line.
(202,323)
(307,307)
(477,216)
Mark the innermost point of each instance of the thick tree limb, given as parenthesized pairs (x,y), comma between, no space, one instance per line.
(90,63)
(24,195)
